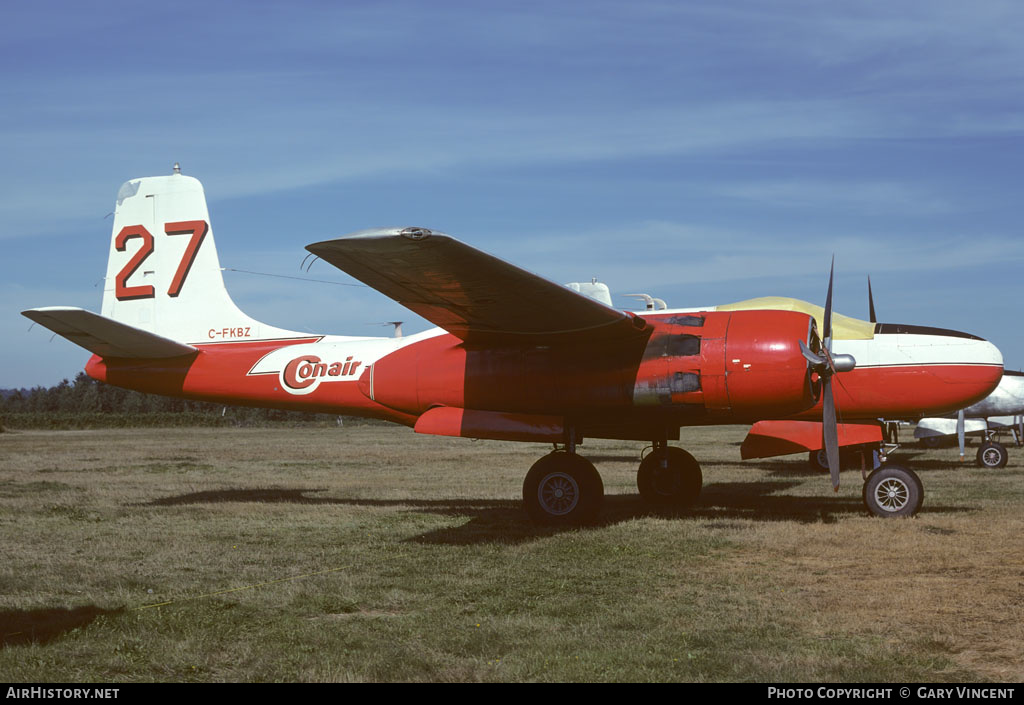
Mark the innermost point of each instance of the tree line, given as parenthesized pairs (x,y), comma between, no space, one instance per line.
(87,403)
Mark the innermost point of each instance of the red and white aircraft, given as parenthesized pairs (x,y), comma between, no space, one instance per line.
(515,357)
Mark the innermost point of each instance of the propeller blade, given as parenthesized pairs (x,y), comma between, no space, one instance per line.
(816,360)
(829,431)
(827,335)
(871,302)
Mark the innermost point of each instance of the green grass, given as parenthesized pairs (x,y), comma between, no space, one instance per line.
(373,554)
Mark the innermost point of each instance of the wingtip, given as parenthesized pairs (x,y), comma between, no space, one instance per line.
(413,233)
(43,310)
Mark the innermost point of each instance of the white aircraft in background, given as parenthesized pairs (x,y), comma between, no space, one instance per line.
(1002,409)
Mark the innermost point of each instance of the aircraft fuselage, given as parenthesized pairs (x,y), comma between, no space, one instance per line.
(690,368)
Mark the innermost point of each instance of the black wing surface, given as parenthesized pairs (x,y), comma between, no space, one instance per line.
(471,294)
(105,336)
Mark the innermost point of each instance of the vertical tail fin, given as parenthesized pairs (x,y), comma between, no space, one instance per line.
(163,273)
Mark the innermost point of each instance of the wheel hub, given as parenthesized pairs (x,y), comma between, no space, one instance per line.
(667,481)
(558,493)
(892,495)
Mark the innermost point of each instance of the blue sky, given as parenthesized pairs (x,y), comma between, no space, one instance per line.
(703,152)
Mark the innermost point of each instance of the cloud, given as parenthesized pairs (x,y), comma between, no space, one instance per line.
(654,144)
(652,254)
(877,197)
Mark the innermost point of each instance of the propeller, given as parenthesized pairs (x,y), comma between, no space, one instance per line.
(871,302)
(825,364)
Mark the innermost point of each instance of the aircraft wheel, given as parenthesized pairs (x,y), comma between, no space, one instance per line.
(893,491)
(677,485)
(992,455)
(818,459)
(563,489)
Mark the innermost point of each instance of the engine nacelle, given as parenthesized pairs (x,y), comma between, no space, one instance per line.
(743,363)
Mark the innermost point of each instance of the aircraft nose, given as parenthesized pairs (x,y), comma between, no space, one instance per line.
(967,367)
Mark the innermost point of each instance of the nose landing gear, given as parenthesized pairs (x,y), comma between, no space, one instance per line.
(893,491)
(992,454)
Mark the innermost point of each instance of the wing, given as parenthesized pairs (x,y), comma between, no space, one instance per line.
(469,293)
(104,336)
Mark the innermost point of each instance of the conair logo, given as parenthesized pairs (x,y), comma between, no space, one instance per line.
(304,374)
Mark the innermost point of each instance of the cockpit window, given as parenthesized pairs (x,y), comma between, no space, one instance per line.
(896,328)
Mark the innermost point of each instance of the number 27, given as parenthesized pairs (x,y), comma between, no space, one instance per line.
(196,228)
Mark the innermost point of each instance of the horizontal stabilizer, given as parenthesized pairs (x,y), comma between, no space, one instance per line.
(105,336)
(470,293)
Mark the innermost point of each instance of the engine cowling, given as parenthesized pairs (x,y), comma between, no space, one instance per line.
(745,364)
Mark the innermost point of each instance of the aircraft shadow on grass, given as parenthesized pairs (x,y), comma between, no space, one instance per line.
(631,458)
(911,459)
(41,626)
(504,521)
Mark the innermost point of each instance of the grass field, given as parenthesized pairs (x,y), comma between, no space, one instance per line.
(373,554)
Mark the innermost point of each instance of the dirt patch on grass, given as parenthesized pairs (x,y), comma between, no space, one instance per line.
(909,584)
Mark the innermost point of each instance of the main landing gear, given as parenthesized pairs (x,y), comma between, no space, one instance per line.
(669,478)
(565,489)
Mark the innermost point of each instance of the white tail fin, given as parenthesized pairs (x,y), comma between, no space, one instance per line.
(163,274)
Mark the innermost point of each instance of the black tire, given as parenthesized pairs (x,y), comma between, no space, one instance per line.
(563,489)
(992,455)
(848,457)
(676,486)
(893,491)
(818,461)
